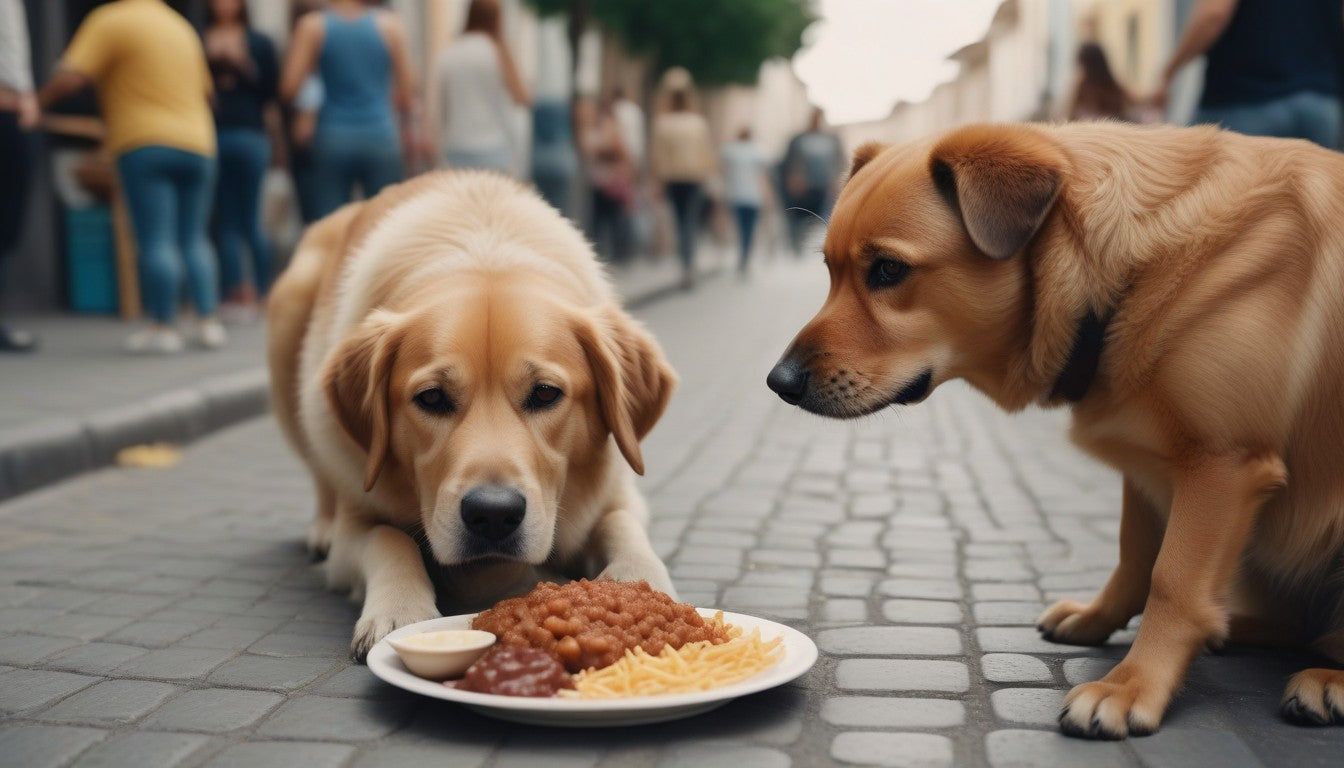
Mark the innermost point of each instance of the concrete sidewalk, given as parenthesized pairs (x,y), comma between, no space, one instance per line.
(79,400)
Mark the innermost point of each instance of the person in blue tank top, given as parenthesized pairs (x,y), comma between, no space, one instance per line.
(1273,66)
(360,53)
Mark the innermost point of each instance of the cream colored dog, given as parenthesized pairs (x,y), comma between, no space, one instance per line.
(451,363)
(1182,290)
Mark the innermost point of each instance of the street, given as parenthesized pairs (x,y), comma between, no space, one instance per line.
(162,617)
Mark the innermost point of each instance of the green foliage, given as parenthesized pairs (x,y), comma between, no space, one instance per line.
(719,41)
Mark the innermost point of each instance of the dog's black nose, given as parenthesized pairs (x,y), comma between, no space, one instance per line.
(493,511)
(789,380)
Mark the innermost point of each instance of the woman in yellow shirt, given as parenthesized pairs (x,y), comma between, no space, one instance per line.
(153,84)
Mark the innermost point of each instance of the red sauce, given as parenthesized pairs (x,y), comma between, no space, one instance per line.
(515,671)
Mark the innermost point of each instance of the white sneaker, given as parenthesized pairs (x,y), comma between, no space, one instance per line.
(210,333)
(154,340)
(234,313)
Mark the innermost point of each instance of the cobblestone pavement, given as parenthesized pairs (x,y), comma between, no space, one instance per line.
(154,618)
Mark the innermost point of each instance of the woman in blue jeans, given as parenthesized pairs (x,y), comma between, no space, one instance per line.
(360,53)
(245,73)
(153,83)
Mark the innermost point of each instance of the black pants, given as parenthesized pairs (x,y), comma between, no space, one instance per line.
(16,168)
(610,224)
(687,203)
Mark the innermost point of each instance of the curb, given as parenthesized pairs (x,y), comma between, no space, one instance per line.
(46,452)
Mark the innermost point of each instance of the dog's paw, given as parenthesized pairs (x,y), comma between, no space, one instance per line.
(1121,704)
(374,626)
(1314,697)
(651,570)
(1069,621)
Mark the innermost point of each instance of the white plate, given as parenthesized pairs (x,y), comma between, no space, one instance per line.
(799,655)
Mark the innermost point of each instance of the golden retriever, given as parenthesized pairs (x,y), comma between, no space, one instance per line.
(1182,290)
(451,363)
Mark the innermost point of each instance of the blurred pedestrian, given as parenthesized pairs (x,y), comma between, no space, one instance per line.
(681,159)
(630,118)
(744,180)
(611,175)
(360,52)
(148,66)
(554,159)
(18,116)
(300,117)
(1097,94)
(477,95)
(810,171)
(245,70)
(1273,66)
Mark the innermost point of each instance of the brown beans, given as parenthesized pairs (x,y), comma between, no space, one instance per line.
(591,624)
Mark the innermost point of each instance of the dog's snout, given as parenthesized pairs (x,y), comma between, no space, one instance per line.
(493,512)
(788,379)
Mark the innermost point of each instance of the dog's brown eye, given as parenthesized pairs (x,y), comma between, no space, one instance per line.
(887,272)
(433,400)
(543,396)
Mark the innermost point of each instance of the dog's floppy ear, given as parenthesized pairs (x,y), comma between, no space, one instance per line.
(1001,180)
(634,381)
(356,381)
(864,155)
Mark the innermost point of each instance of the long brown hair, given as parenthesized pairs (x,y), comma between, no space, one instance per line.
(483,16)
(1099,93)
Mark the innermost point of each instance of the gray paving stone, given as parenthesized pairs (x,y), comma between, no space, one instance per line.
(223,637)
(176,663)
(890,641)
(61,599)
(1029,706)
(29,689)
(927,589)
(287,645)
(896,750)
(1078,671)
(27,649)
(269,673)
(1047,749)
(1014,668)
(334,719)
(81,626)
(151,634)
(142,748)
(749,597)
(901,611)
(214,710)
(282,754)
(111,703)
(881,712)
(843,611)
(544,757)
(1174,747)
(1022,591)
(902,675)
(723,756)
(427,756)
(45,746)
(94,658)
(24,617)
(355,681)
(784,557)
(1022,640)
(856,558)
(1021,613)
(129,605)
(847,586)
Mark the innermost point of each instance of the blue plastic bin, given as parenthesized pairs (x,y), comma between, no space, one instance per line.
(91,259)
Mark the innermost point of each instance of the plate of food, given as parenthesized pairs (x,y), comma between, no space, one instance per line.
(592,653)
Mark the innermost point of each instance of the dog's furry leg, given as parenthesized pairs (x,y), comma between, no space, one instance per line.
(319,531)
(1069,621)
(1214,509)
(622,546)
(384,565)
(1316,696)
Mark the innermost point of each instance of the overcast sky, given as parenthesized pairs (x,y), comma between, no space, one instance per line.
(863,56)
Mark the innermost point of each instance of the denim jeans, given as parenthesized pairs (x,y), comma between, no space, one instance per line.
(746,227)
(168,192)
(244,154)
(344,159)
(490,159)
(687,205)
(1303,115)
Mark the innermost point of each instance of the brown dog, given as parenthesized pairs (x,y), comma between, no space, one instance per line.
(451,363)
(1182,289)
